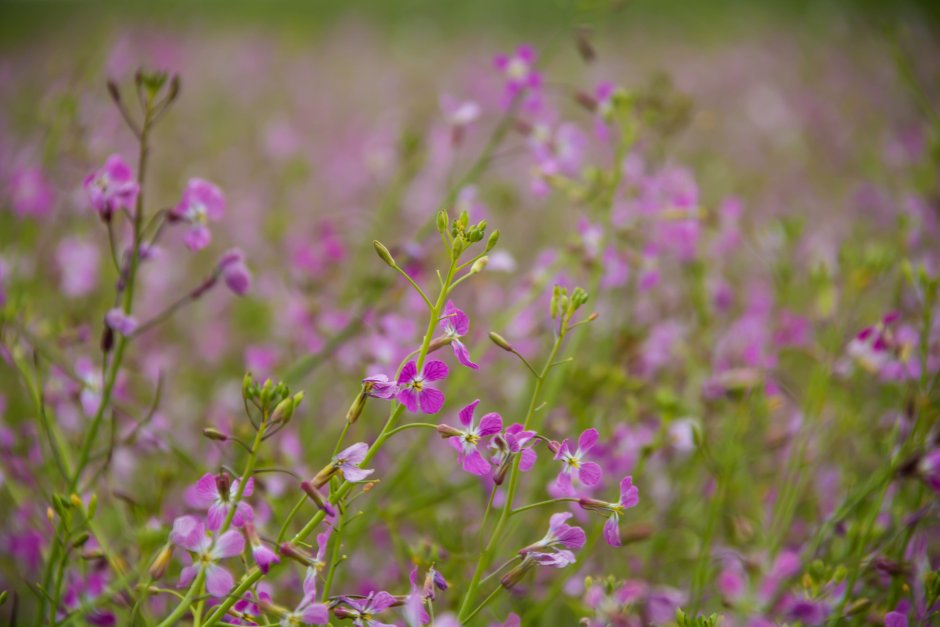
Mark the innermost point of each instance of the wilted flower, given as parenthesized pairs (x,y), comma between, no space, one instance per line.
(629,497)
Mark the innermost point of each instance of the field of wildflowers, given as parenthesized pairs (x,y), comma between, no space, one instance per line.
(377,325)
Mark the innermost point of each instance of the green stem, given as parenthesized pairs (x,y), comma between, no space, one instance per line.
(412,425)
(187,600)
(566,499)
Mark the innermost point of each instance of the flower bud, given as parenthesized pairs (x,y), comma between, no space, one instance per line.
(317,497)
(80,540)
(214,434)
(442,222)
(75,500)
(92,506)
(285,409)
(3,597)
(554,446)
(500,341)
(383,253)
(491,243)
(323,477)
(479,264)
(359,404)
(160,563)
(247,385)
(514,576)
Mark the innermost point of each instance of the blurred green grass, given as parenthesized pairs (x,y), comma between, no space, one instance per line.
(27,19)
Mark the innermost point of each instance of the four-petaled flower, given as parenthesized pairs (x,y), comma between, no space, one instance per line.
(519,69)
(455,325)
(216,493)
(308,611)
(206,551)
(112,187)
(560,534)
(202,201)
(414,390)
(363,611)
(588,473)
(629,497)
(467,439)
(348,460)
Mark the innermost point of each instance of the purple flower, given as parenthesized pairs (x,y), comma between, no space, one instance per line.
(30,193)
(215,493)
(206,551)
(347,462)
(560,534)
(308,611)
(629,497)
(120,321)
(362,611)
(455,324)
(519,69)
(202,201)
(588,473)
(234,271)
(467,439)
(112,187)
(414,389)
(264,557)
(379,386)
(895,619)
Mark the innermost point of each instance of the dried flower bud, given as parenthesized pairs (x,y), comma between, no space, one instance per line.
(439,342)
(160,563)
(317,497)
(479,264)
(289,550)
(514,576)
(447,431)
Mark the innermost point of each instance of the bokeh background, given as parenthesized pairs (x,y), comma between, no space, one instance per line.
(805,131)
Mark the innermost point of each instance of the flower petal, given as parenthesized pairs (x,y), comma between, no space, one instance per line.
(229,544)
(462,355)
(218,580)
(491,423)
(466,414)
(526,459)
(409,398)
(589,473)
(408,372)
(612,530)
(204,493)
(355,453)
(315,614)
(474,463)
(354,473)
(435,370)
(431,400)
(587,440)
(629,493)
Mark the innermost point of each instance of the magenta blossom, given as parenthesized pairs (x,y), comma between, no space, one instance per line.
(414,389)
(519,69)
(308,611)
(234,271)
(629,497)
(363,611)
(206,550)
(216,493)
(929,468)
(201,202)
(415,612)
(466,439)
(505,446)
(560,534)
(455,325)
(573,464)
(112,187)
(120,322)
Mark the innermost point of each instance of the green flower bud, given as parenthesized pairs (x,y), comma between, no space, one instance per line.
(500,341)
(383,253)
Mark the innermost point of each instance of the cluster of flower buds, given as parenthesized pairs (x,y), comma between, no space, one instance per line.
(274,401)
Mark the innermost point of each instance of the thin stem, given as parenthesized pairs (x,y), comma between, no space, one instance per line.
(168,312)
(337,539)
(412,425)
(486,601)
(427,301)
(500,569)
(566,499)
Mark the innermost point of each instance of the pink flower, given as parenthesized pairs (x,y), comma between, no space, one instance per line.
(573,464)
(112,187)
(559,534)
(201,202)
(206,550)
(629,497)
(120,321)
(415,612)
(519,69)
(414,390)
(929,468)
(467,439)
(309,611)
(455,324)
(216,493)
(234,272)
(30,193)
(516,440)
(348,460)
(362,611)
